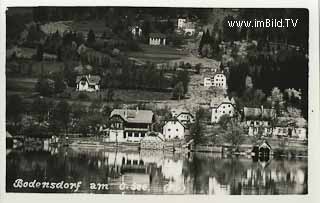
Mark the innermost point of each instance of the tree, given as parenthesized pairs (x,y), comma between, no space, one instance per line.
(178,91)
(61,114)
(91,37)
(40,107)
(234,134)
(224,121)
(277,99)
(39,55)
(44,87)
(14,108)
(197,128)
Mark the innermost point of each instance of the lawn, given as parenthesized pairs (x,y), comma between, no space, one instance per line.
(157,54)
(128,95)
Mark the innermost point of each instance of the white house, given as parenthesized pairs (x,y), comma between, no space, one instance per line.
(182,23)
(136,31)
(157,39)
(173,129)
(221,106)
(184,116)
(89,83)
(259,120)
(217,80)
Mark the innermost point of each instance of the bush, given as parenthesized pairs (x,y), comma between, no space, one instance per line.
(83,96)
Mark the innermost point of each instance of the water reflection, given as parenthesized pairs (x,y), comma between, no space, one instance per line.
(162,173)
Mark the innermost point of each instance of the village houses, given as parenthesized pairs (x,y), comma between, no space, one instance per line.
(130,125)
(187,27)
(218,79)
(221,106)
(173,129)
(259,120)
(88,83)
(157,39)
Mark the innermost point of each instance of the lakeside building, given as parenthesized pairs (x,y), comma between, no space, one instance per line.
(184,116)
(88,83)
(259,120)
(218,79)
(221,106)
(130,125)
(173,129)
(153,140)
(157,39)
(290,128)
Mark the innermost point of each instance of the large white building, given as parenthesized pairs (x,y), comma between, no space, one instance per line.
(89,83)
(217,80)
(157,39)
(221,106)
(129,125)
(173,129)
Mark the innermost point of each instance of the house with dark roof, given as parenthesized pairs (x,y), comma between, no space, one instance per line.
(157,39)
(89,83)
(183,115)
(259,120)
(128,125)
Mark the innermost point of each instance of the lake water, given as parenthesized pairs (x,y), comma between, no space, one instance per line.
(152,172)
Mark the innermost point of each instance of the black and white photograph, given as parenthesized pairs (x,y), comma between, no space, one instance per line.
(164,100)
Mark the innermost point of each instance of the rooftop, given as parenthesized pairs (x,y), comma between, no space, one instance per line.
(134,116)
(157,35)
(92,79)
(259,113)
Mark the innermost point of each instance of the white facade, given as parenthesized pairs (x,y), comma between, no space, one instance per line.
(218,80)
(157,41)
(225,108)
(85,86)
(173,129)
(299,133)
(256,127)
(136,31)
(181,23)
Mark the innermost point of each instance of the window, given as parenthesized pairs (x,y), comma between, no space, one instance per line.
(224,107)
(130,134)
(216,111)
(229,112)
(177,130)
(224,112)
(136,134)
(229,105)
(169,129)
(142,134)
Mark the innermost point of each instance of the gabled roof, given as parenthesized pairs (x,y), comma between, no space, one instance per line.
(152,135)
(92,79)
(258,113)
(157,35)
(217,101)
(175,121)
(134,116)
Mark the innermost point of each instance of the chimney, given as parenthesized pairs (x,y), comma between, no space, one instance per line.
(261,109)
(137,110)
(89,75)
(125,111)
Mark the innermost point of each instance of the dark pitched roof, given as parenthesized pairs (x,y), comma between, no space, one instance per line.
(92,79)
(258,113)
(134,116)
(157,35)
